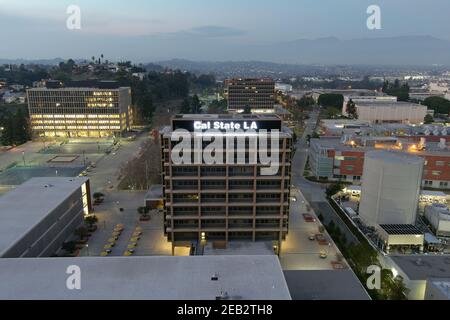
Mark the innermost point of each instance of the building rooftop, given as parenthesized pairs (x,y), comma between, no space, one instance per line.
(401,229)
(336,143)
(139,278)
(325,285)
(388,104)
(394,157)
(422,267)
(443,285)
(24,207)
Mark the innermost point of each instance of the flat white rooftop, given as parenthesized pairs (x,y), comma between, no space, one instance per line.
(423,267)
(28,204)
(140,278)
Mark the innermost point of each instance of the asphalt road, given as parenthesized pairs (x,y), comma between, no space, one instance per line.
(313,192)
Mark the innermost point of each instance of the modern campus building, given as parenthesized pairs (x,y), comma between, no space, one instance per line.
(257,94)
(232,200)
(80,109)
(40,214)
(335,158)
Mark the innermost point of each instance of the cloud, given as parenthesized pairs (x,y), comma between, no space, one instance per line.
(215,31)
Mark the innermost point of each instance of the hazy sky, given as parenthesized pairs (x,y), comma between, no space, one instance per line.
(162,29)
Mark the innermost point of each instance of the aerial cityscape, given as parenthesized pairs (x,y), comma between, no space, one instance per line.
(190,150)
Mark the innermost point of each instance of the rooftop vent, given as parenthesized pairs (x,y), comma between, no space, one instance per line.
(215,277)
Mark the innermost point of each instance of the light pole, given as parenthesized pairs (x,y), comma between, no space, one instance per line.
(87,249)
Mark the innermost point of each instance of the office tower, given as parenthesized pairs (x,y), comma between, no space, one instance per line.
(257,94)
(234,198)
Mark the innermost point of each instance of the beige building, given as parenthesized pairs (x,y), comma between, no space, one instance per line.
(381,111)
(80,111)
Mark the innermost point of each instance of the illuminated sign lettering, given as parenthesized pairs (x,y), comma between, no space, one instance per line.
(220,125)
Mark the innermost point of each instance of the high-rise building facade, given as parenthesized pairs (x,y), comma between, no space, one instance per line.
(98,111)
(256,94)
(233,198)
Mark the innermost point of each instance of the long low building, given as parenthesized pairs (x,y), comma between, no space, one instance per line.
(144,278)
(387,111)
(40,214)
(81,109)
(334,158)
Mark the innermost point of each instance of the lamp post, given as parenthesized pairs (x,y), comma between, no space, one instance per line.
(87,249)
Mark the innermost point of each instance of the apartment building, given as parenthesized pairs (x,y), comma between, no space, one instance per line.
(257,94)
(80,109)
(335,158)
(231,199)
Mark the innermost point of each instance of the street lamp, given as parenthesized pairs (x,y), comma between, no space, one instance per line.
(87,249)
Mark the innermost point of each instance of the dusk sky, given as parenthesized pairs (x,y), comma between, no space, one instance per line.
(163,29)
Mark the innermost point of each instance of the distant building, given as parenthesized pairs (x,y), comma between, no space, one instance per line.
(380,111)
(283,87)
(40,214)
(438,215)
(257,94)
(84,109)
(335,158)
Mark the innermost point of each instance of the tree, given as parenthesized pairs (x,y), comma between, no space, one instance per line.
(397,90)
(143,211)
(333,188)
(351,109)
(98,195)
(70,246)
(331,100)
(428,119)
(81,232)
(195,104)
(91,220)
(438,104)
(185,106)
(217,107)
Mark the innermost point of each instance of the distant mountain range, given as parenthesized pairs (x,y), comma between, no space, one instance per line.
(394,51)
